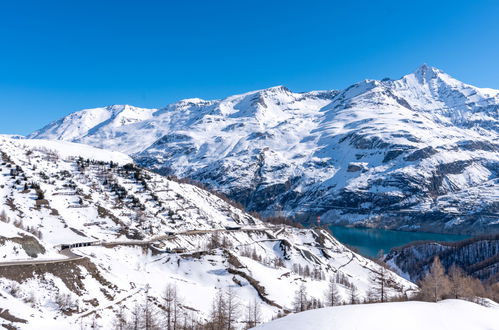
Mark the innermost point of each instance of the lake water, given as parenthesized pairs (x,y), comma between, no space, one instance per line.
(370,241)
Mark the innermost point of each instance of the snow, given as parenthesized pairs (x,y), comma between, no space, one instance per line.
(444,315)
(193,214)
(259,141)
(68,149)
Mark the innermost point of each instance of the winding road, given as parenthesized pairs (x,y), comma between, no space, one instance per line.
(71,256)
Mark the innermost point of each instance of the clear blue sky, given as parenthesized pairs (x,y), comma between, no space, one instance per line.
(57,57)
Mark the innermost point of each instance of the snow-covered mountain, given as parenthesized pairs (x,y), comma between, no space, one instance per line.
(146,231)
(417,153)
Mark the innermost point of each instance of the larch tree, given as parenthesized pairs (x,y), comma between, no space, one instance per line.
(253,314)
(300,300)
(353,295)
(333,297)
(120,322)
(136,317)
(459,283)
(150,321)
(232,309)
(218,317)
(436,284)
(170,306)
(380,280)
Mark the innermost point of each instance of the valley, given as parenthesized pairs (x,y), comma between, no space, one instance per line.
(370,241)
(258,165)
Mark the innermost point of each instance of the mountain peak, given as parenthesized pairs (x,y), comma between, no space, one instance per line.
(193,100)
(118,107)
(276,89)
(427,72)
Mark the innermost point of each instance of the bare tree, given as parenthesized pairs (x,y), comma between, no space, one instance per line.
(353,295)
(64,301)
(300,300)
(306,271)
(332,295)
(149,316)
(380,280)
(314,303)
(94,324)
(214,242)
(459,284)
(436,284)
(120,319)
(136,320)
(371,296)
(253,314)
(233,307)
(169,301)
(218,318)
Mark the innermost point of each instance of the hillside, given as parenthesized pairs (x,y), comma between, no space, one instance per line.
(416,153)
(445,315)
(145,231)
(477,257)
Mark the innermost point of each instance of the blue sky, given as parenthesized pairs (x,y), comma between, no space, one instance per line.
(57,57)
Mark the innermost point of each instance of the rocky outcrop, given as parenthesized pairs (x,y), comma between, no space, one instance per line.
(28,243)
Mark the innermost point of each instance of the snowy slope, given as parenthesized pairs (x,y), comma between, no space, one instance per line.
(445,315)
(83,125)
(417,153)
(149,231)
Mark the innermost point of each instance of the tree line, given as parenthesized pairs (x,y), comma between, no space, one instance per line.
(169,312)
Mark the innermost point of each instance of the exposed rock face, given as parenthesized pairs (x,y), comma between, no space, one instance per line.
(29,244)
(428,141)
(356,167)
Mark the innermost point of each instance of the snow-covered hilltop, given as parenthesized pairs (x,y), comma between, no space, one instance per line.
(413,315)
(417,153)
(146,231)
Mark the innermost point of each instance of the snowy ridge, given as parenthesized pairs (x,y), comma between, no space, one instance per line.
(417,153)
(148,230)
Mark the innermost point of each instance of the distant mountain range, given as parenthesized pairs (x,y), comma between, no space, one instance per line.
(417,153)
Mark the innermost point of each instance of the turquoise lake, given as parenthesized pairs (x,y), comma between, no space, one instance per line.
(370,241)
